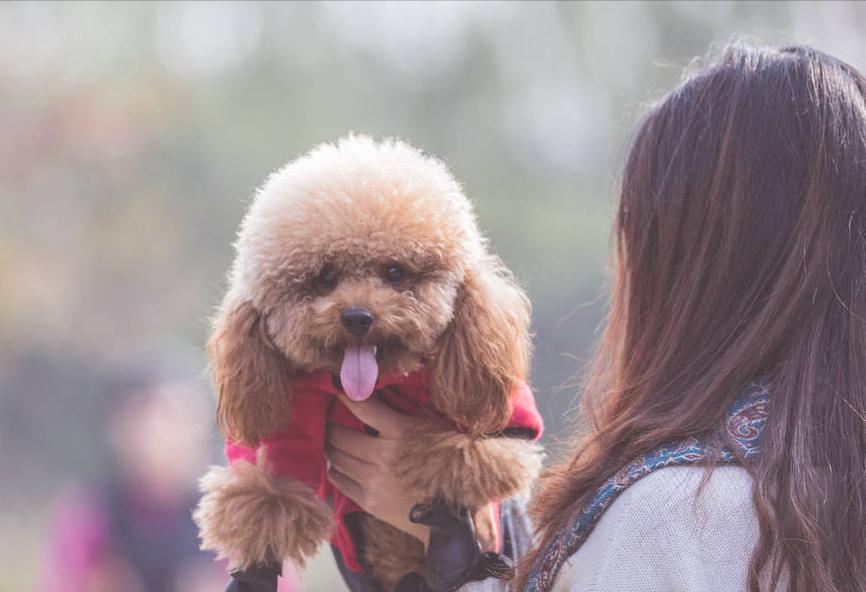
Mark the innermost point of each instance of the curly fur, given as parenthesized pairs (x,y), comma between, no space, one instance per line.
(485,351)
(437,462)
(389,553)
(252,518)
(250,375)
(356,207)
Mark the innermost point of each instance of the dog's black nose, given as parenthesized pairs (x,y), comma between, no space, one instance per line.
(357,321)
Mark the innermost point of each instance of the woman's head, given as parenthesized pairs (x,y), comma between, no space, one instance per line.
(741,252)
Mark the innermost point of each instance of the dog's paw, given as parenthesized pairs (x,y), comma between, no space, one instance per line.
(253,518)
(439,462)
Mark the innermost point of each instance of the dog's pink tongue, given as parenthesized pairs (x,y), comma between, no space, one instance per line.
(359,371)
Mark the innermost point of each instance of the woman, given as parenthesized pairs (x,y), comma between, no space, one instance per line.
(725,446)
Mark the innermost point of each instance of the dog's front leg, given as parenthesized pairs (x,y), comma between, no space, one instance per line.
(436,462)
(256,519)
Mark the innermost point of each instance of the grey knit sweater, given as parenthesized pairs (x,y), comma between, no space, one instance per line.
(665,534)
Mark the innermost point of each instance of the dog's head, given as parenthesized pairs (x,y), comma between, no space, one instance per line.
(365,259)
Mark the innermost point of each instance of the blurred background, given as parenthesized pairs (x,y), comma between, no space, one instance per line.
(131,138)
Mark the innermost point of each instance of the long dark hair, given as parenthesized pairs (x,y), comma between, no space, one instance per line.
(741,252)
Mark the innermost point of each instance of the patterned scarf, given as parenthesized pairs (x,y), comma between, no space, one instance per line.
(741,433)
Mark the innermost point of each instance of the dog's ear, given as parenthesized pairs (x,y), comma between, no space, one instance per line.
(485,350)
(250,374)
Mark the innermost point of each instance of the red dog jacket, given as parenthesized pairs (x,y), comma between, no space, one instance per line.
(298,451)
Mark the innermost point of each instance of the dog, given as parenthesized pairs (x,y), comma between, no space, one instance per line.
(360,270)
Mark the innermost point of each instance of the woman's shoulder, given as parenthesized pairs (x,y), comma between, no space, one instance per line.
(723,489)
(678,527)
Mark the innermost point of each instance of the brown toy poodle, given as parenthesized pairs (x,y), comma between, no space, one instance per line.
(360,269)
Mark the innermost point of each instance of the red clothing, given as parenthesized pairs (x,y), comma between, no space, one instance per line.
(298,451)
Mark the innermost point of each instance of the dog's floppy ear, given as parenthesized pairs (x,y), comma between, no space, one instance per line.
(250,374)
(485,350)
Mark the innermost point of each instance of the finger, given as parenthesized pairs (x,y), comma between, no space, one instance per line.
(377,415)
(358,444)
(350,466)
(347,486)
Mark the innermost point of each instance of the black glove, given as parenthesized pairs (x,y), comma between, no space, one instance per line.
(454,555)
(262,578)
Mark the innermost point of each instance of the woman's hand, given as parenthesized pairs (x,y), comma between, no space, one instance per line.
(360,465)
(361,468)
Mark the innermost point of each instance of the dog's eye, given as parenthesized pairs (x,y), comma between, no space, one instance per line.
(327,279)
(393,274)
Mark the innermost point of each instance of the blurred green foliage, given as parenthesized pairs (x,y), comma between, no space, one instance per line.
(132,135)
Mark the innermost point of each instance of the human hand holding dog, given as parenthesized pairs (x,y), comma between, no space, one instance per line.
(361,466)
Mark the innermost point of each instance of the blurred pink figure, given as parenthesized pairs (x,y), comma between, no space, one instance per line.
(133,532)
